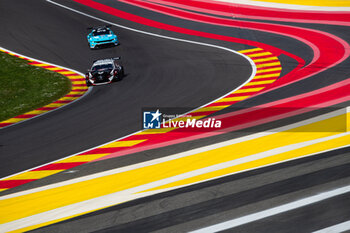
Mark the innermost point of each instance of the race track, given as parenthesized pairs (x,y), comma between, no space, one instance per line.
(166,72)
(160,72)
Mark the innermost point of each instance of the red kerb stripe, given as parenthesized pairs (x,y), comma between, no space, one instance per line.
(13,183)
(58,166)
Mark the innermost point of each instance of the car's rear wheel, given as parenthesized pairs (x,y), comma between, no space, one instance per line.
(117,78)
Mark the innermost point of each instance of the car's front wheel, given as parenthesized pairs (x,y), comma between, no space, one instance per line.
(117,78)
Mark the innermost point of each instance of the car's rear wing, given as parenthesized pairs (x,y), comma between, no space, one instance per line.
(105,26)
(108,59)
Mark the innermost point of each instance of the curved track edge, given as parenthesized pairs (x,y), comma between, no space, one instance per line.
(78,90)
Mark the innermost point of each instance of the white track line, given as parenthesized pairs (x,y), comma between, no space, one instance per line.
(274,211)
(137,192)
(155,35)
(183,154)
(341,227)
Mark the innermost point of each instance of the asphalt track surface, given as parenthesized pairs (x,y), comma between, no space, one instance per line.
(159,72)
(154,79)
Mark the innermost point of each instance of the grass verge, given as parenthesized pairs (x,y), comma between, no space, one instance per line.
(24,87)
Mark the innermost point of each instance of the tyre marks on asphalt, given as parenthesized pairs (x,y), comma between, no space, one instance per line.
(48,204)
(78,89)
(289,144)
(268,66)
(318,41)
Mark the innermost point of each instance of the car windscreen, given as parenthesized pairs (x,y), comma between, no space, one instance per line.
(102,67)
(101,32)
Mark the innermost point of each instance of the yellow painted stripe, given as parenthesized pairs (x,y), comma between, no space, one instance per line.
(266,59)
(326,3)
(123,143)
(78,87)
(68,98)
(78,82)
(260,82)
(155,131)
(268,70)
(82,158)
(229,99)
(25,229)
(36,112)
(14,120)
(249,90)
(268,64)
(33,175)
(259,54)
(76,93)
(54,105)
(54,68)
(41,64)
(75,77)
(3,190)
(67,72)
(250,50)
(338,142)
(267,76)
(34,203)
(212,108)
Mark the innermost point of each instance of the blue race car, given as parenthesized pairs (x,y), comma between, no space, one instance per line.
(102,35)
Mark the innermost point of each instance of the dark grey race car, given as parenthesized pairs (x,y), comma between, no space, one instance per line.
(104,71)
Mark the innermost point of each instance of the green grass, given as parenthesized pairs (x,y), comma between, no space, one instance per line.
(24,87)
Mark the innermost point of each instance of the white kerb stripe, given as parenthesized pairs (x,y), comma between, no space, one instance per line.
(341,227)
(273,211)
(156,35)
(106,200)
(178,155)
